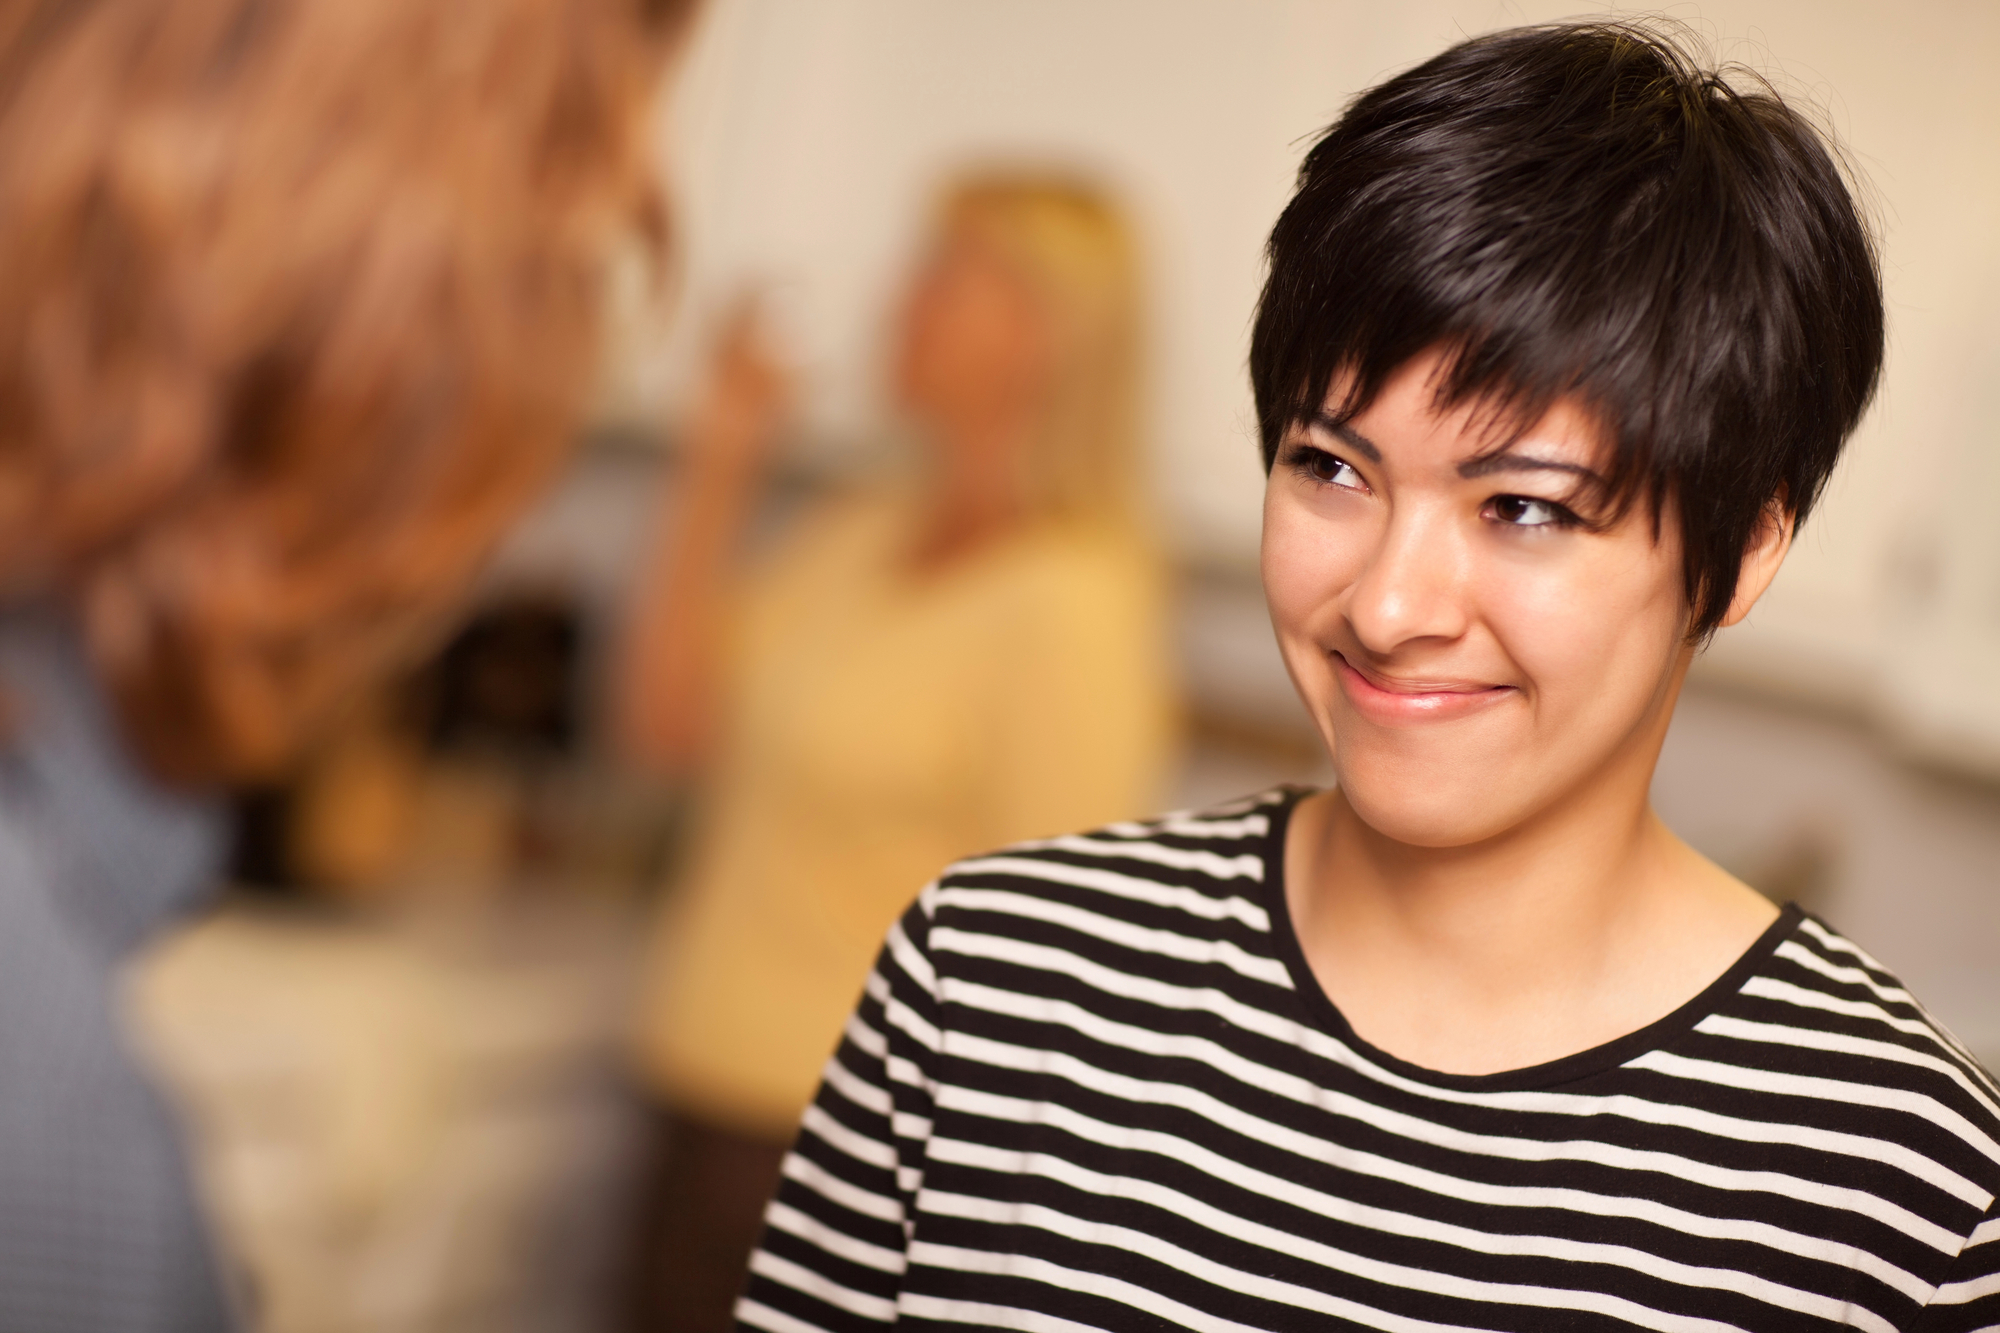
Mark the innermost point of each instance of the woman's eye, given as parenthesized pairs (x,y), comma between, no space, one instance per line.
(1523,511)
(1327,469)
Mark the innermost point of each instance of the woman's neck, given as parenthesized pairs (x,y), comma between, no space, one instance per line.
(974,497)
(1572,930)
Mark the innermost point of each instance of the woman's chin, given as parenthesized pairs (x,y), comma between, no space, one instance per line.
(1432,810)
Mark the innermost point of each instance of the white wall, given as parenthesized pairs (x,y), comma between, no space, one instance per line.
(808,133)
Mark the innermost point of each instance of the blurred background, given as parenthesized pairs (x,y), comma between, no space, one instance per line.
(403,1040)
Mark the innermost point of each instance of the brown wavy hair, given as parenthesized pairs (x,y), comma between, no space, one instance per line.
(299,303)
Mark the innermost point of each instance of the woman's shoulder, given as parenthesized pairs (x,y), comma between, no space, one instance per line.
(1070,584)
(1828,984)
(1163,885)
(1820,1019)
(841,542)
(848,515)
(1095,557)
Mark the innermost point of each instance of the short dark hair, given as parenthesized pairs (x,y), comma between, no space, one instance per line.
(1582,209)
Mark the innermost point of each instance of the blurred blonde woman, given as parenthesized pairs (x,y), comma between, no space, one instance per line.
(298,306)
(967,659)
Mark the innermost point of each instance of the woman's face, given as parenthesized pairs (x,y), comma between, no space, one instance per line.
(973,348)
(1473,655)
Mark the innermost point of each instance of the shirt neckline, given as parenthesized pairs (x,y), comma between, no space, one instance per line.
(1552,1073)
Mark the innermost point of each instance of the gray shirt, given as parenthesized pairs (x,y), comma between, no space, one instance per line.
(99,1229)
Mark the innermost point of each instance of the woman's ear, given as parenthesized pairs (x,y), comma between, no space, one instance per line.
(1761,559)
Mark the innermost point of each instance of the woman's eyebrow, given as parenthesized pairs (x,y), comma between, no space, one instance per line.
(1349,436)
(1507,461)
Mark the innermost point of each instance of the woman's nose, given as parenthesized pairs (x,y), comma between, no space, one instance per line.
(1413,587)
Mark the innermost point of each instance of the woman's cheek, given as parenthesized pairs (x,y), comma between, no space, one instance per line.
(1587,630)
(1288,575)
(1549,624)
(1307,557)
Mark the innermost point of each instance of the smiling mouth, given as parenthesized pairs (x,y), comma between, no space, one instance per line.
(1388,700)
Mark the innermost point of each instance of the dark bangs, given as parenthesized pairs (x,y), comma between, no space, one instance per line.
(1580,210)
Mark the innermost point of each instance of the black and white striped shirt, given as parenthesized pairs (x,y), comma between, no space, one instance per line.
(1092,1084)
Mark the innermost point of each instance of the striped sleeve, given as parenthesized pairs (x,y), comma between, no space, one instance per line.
(1968,1300)
(832,1254)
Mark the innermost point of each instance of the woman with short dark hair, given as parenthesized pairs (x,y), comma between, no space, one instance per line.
(1562,337)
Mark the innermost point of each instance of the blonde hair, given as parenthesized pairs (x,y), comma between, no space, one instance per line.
(1074,249)
(298,305)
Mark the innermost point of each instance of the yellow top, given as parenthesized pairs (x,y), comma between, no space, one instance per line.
(884,724)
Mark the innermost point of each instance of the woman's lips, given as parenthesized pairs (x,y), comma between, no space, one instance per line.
(1385,700)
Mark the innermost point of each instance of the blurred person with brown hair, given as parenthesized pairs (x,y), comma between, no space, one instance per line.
(922,670)
(299,303)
